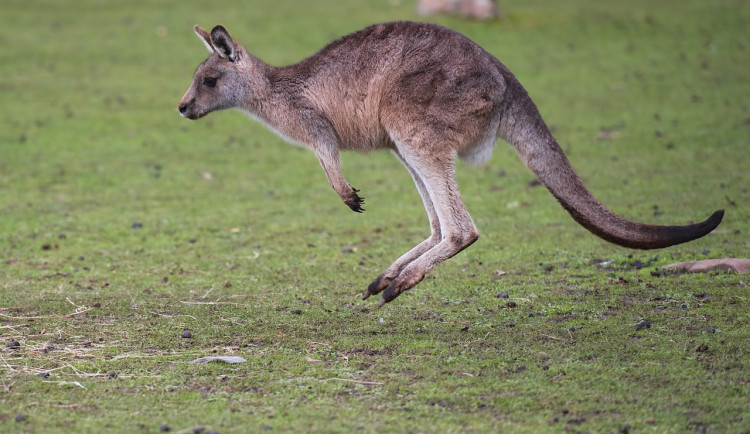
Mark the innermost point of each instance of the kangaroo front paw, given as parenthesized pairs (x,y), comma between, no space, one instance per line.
(354,201)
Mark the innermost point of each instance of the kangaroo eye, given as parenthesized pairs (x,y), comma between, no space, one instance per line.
(209,81)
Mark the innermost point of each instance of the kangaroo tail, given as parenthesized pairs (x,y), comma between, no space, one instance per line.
(524,128)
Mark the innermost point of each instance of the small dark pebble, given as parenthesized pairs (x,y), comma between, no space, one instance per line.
(565,411)
(46,246)
(14,345)
(711,330)
(347,250)
(297,312)
(137,225)
(643,324)
(465,329)
(706,251)
(531,314)
(571,329)
(227,284)
(20,418)
(502,295)
(192,241)
(112,375)
(511,304)
(186,334)
(199,429)
(702,348)
(164,428)
(96,305)
(266,427)
(62,236)
(510,325)
(545,368)
(43,374)
(684,306)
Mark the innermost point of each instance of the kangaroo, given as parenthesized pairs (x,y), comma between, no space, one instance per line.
(429,95)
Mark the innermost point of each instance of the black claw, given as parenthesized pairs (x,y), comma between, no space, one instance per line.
(356,202)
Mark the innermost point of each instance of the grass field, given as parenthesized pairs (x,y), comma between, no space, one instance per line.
(122,226)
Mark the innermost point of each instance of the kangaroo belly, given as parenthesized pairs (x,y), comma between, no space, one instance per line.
(480,153)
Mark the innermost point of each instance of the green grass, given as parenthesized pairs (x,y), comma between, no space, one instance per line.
(263,260)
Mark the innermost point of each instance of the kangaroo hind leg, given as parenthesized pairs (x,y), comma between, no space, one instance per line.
(457,230)
(385,279)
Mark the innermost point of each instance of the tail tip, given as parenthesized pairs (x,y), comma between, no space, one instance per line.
(716,218)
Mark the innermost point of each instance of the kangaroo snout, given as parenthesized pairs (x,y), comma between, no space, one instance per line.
(187,109)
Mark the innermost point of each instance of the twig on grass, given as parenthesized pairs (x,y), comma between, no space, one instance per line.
(365,382)
(79,310)
(466,345)
(553,337)
(65,383)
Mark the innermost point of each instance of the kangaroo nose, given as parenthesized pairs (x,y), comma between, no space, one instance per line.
(182,108)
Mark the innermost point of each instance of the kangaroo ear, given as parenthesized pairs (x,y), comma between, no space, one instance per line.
(205,37)
(223,43)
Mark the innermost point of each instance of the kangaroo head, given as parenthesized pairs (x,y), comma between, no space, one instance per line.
(219,82)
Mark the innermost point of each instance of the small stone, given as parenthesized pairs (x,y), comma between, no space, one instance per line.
(266,427)
(545,368)
(46,246)
(705,251)
(186,334)
(511,304)
(96,305)
(199,429)
(643,324)
(347,250)
(227,284)
(502,295)
(13,345)
(164,428)
(20,418)
(192,241)
(711,330)
(297,312)
(43,374)
(112,375)
(702,348)
(137,225)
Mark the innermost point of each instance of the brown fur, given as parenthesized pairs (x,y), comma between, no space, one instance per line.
(429,95)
